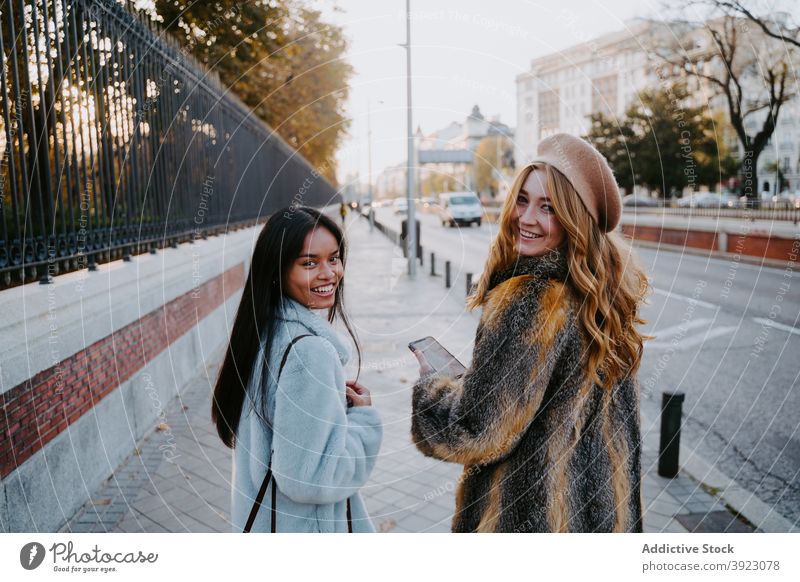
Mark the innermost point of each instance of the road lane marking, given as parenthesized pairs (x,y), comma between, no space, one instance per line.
(694,340)
(672,295)
(681,327)
(776,325)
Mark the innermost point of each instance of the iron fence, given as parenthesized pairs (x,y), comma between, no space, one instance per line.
(776,213)
(116,142)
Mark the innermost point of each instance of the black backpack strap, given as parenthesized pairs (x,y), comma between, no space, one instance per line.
(269,477)
(349,517)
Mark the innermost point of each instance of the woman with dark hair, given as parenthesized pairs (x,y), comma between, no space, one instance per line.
(299,431)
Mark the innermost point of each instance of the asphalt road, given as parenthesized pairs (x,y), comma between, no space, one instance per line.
(727,336)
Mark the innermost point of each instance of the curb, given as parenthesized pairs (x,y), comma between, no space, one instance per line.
(744,502)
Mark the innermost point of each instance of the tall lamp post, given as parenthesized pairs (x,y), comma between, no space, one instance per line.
(411,231)
(369,169)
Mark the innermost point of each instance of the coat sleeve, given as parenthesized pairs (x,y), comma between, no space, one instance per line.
(480,417)
(323,451)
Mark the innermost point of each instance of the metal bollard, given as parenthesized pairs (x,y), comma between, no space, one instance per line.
(669,447)
(433,264)
(469,283)
(447,274)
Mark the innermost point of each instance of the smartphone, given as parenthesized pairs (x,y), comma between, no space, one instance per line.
(438,357)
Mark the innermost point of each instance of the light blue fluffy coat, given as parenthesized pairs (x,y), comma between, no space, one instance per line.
(324,452)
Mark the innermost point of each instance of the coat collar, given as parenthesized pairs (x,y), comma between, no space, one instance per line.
(292,311)
(551,265)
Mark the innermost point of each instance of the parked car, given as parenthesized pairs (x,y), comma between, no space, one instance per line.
(703,200)
(639,200)
(786,200)
(457,208)
(400,206)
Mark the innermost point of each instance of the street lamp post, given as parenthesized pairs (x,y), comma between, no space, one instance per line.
(369,169)
(411,231)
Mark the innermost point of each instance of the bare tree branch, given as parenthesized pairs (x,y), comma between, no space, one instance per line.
(737,7)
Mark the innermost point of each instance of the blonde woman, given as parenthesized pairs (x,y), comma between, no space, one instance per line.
(546,419)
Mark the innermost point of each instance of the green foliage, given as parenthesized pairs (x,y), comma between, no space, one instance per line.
(280,58)
(664,144)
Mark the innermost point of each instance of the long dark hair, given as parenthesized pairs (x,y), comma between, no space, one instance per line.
(278,246)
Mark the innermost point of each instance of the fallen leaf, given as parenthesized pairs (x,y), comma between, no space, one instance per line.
(105,501)
(162,427)
(387,525)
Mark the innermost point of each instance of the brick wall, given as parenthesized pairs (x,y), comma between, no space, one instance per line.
(751,244)
(783,249)
(37,410)
(696,239)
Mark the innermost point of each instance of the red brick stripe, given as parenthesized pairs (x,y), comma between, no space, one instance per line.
(39,409)
(697,239)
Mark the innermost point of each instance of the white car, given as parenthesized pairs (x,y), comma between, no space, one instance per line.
(703,200)
(400,206)
(457,208)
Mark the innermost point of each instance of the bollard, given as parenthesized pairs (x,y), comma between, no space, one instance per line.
(669,447)
(418,240)
(447,274)
(469,283)
(433,265)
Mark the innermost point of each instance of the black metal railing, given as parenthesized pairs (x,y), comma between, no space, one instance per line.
(115,142)
(765,212)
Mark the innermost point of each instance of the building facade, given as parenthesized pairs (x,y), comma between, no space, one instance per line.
(561,90)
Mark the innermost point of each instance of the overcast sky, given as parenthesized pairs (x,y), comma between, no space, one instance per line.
(464,53)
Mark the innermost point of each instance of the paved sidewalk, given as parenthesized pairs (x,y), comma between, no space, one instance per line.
(190,492)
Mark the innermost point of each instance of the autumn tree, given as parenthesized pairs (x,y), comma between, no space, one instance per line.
(280,58)
(776,24)
(493,154)
(433,183)
(663,143)
(749,70)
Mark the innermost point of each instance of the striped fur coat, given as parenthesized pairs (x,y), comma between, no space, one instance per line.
(543,449)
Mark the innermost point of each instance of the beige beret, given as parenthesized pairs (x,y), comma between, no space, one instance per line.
(588,172)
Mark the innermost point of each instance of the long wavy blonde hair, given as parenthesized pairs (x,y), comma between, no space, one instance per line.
(603,272)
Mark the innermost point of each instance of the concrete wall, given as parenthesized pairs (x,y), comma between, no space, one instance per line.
(42,327)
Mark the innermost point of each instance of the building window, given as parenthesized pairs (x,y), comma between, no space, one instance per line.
(548,111)
(604,95)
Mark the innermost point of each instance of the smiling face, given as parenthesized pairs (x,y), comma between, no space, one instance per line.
(536,227)
(316,274)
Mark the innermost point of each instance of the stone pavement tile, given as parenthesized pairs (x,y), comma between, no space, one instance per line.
(388,495)
(85,528)
(213,517)
(654,523)
(148,525)
(664,508)
(180,499)
(416,522)
(149,505)
(673,527)
(190,525)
